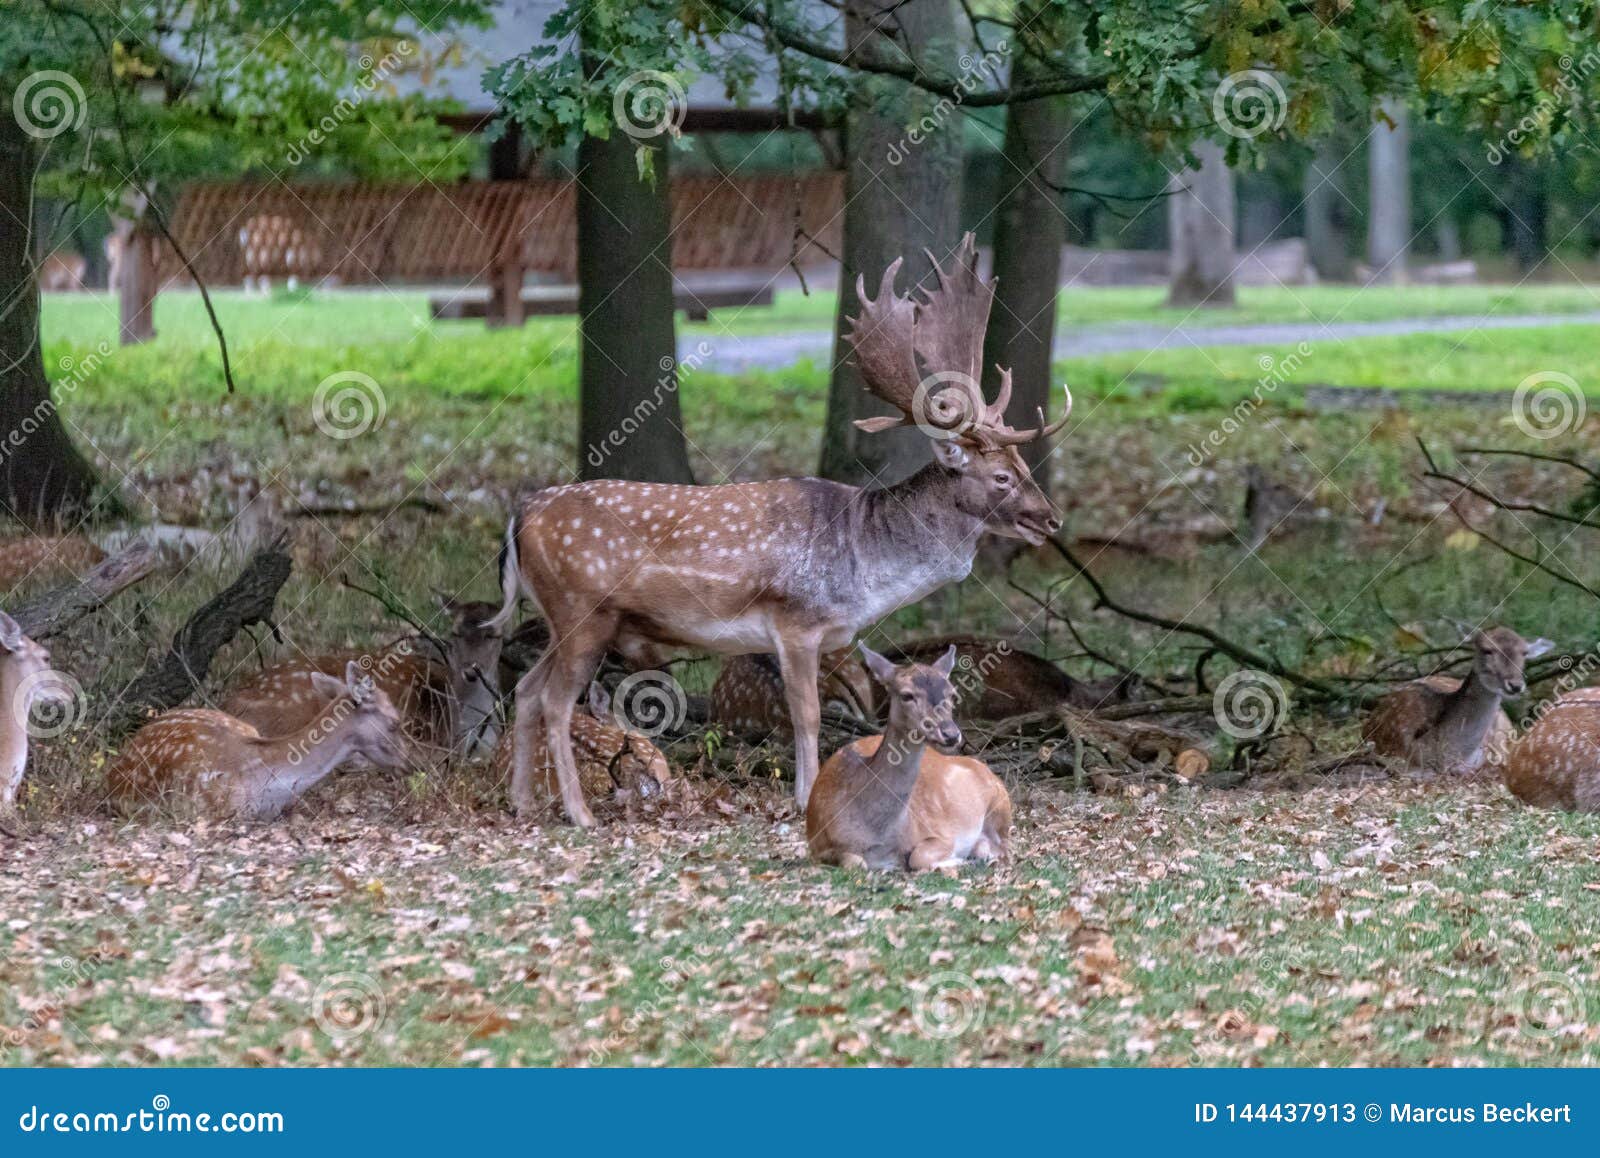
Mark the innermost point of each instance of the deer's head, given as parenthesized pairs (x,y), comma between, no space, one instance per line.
(473,657)
(637,765)
(922,699)
(26,667)
(923,356)
(368,718)
(1498,658)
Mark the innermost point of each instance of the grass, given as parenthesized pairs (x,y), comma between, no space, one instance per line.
(1392,922)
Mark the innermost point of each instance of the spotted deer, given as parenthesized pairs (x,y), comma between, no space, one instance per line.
(1442,724)
(748,695)
(41,557)
(609,757)
(891,801)
(447,691)
(793,567)
(996,679)
(26,679)
(229,769)
(1556,764)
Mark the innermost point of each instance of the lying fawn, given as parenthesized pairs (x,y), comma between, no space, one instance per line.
(1006,681)
(26,678)
(229,769)
(609,757)
(40,557)
(1446,725)
(748,695)
(888,802)
(793,567)
(1557,763)
(447,706)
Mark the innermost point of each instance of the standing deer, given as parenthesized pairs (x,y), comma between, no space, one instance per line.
(448,704)
(888,802)
(792,567)
(748,694)
(1557,763)
(228,769)
(1447,725)
(26,678)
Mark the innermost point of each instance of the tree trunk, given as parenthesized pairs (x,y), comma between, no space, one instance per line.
(1389,193)
(902,193)
(1528,214)
(629,422)
(1200,228)
(1030,229)
(44,481)
(1327,217)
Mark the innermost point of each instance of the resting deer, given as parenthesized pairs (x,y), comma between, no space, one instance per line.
(227,768)
(748,695)
(26,678)
(1557,763)
(889,802)
(1448,725)
(609,757)
(793,567)
(40,557)
(449,706)
(999,680)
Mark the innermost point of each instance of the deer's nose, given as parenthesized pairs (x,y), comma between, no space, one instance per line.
(950,736)
(1515,687)
(1052,522)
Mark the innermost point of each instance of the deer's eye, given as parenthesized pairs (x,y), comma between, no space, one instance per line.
(1002,478)
(906,697)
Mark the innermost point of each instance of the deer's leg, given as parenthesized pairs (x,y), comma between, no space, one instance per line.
(573,661)
(524,736)
(798,663)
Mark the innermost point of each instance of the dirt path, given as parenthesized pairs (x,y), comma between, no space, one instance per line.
(774,351)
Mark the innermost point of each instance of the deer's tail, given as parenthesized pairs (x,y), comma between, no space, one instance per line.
(512,585)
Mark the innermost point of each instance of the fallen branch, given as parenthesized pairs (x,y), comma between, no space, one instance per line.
(1236,652)
(60,607)
(177,675)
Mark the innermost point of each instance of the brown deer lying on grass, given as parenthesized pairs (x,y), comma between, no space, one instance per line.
(227,768)
(999,680)
(42,557)
(448,705)
(888,802)
(793,567)
(1444,724)
(748,695)
(1556,764)
(609,758)
(26,678)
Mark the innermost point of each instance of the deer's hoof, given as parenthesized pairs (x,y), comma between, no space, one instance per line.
(583,818)
(11,824)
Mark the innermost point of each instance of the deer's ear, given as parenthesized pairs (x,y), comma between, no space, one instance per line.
(950,454)
(599,700)
(882,670)
(10,633)
(1540,646)
(326,685)
(947,662)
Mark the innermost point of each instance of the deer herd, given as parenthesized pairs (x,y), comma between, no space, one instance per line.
(779,578)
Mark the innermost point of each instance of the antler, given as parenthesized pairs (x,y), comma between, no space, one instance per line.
(923,356)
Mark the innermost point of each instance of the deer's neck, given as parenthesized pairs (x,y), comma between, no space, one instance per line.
(474,696)
(13,735)
(1468,714)
(286,768)
(884,796)
(910,539)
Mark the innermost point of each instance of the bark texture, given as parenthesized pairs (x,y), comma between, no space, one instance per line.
(1200,222)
